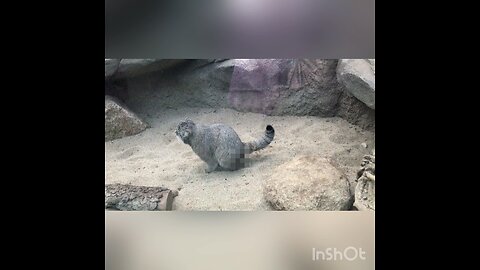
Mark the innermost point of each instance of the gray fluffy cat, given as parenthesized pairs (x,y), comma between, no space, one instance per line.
(219,145)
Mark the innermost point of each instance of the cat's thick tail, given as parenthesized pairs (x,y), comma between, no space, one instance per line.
(262,142)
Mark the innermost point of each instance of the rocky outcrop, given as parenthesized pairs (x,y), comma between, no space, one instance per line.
(365,188)
(356,112)
(111,67)
(308,183)
(135,67)
(358,77)
(124,68)
(270,86)
(119,121)
(285,87)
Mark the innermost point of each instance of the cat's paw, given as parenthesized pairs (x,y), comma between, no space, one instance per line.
(211,168)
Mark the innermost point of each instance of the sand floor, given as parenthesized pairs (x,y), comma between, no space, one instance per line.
(156,158)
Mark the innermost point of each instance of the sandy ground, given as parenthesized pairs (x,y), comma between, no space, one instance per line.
(156,158)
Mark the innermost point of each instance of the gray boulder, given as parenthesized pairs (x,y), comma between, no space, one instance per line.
(308,183)
(119,121)
(135,67)
(196,83)
(365,188)
(356,112)
(358,77)
(285,87)
(111,66)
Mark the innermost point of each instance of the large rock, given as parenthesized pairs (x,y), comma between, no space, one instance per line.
(269,86)
(135,67)
(119,121)
(285,87)
(308,183)
(206,83)
(111,66)
(140,74)
(356,112)
(358,77)
(365,188)
(195,83)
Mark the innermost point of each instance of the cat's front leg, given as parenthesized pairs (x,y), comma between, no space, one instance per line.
(211,167)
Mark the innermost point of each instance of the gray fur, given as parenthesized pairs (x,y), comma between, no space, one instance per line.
(219,145)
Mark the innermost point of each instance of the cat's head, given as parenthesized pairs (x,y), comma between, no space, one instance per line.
(185,130)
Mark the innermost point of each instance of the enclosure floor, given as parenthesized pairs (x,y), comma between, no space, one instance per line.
(156,158)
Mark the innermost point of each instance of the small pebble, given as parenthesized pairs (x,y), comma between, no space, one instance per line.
(364,145)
